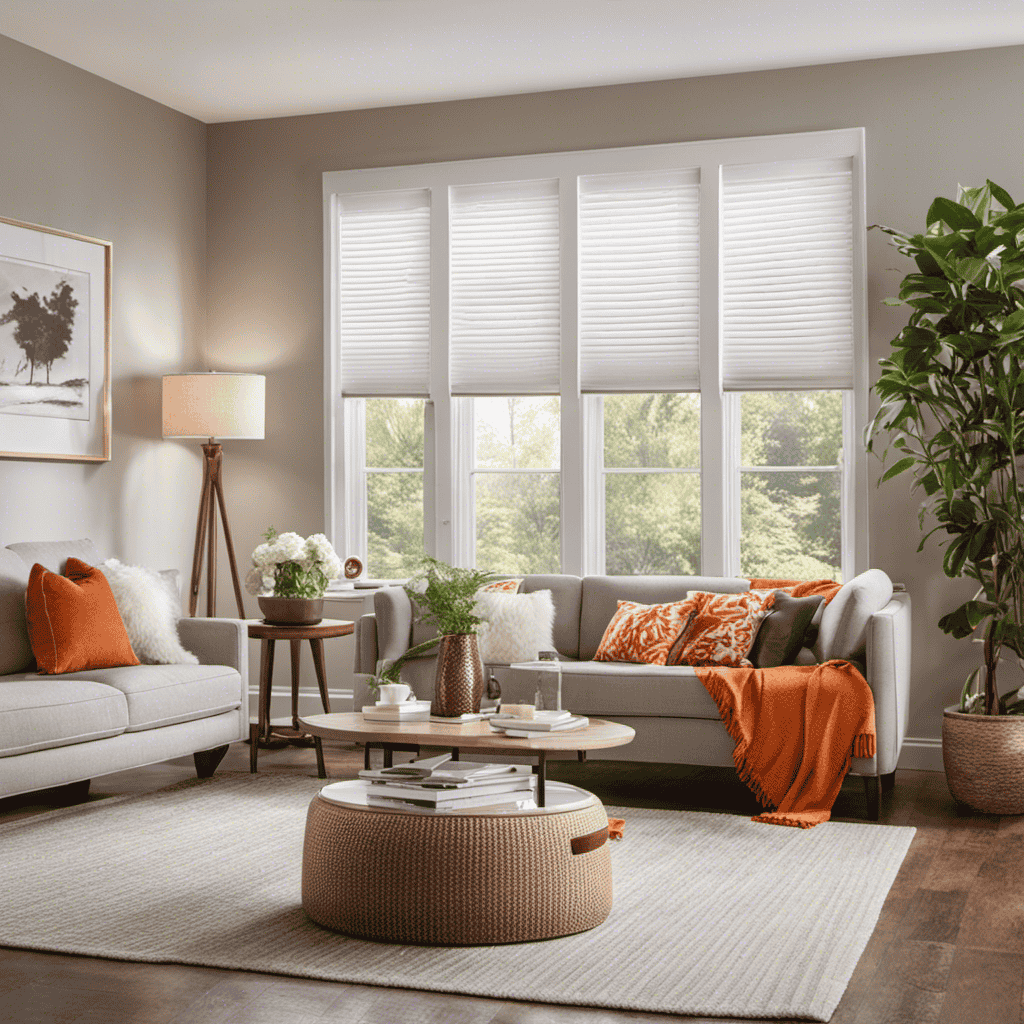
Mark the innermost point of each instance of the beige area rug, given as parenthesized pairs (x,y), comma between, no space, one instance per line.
(713,914)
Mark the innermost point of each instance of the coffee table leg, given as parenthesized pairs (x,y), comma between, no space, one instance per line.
(254,743)
(455,753)
(542,767)
(389,756)
(321,770)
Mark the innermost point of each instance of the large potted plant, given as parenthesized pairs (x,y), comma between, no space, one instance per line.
(952,411)
(446,596)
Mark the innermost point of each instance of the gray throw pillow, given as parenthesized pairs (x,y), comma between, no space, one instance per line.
(781,635)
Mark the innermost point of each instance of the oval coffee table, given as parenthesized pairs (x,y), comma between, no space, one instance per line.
(477,876)
(351,727)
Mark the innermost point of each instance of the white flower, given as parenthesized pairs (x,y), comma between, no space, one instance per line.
(321,554)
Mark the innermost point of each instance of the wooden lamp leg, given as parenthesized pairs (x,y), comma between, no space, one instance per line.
(211,498)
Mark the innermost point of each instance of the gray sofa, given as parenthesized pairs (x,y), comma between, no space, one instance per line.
(676,721)
(63,730)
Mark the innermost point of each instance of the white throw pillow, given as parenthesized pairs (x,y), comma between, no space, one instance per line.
(150,613)
(516,626)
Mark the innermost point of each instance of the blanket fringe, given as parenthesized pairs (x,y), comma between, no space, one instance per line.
(864,745)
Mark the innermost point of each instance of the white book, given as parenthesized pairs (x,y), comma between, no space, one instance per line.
(425,794)
(520,730)
(377,715)
(406,707)
(510,801)
(526,726)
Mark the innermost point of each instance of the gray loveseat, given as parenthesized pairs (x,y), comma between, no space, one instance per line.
(675,719)
(63,730)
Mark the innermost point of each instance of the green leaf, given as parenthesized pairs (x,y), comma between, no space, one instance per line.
(1001,196)
(1014,322)
(897,468)
(955,216)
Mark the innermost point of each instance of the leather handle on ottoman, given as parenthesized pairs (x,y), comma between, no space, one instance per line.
(587,843)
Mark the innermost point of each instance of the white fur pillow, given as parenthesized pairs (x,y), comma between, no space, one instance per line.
(150,613)
(516,626)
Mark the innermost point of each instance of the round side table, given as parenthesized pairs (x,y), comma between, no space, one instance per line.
(268,635)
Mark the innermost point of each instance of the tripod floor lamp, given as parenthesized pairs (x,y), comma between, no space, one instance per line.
(213,405)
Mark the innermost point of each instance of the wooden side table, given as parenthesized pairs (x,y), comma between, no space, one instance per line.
(268,635)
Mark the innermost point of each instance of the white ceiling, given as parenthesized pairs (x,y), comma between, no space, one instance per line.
(227,60)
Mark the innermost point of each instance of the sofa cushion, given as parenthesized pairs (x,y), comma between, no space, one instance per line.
(15,650)
(39,713)
(566,592)
(616,689)
(600,596)
(844,621)
(166,694)
(722,629)
(781,635)
(150,609)
(516,627)
(644,633)
(73,621)
(53,554)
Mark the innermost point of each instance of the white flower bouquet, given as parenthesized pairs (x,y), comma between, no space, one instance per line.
(285,565)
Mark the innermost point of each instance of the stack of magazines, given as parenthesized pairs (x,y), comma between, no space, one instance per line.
(406,711)
(542,722)
(440,783)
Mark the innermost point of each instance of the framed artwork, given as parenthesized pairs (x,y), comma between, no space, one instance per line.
(54,344)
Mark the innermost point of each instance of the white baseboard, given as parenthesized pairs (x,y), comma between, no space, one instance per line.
(923,753)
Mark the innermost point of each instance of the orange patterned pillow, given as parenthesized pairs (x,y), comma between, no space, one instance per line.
(644,633)
(722,629)
(501,587)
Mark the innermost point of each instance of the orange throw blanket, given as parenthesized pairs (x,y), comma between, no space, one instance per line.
(796,728)
(799,588)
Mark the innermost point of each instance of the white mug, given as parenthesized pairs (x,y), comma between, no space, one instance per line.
(394,693)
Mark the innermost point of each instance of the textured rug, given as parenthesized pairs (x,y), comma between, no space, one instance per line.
(713,914)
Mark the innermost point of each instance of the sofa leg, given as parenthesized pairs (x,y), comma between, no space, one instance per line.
(873,795)
(72,793)
(207,760)
(888,781)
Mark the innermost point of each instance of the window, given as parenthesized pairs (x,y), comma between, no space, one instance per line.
(646,360)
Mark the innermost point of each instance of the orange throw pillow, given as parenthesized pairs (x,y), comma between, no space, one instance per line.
(643,633)
(73,621)
(722,629)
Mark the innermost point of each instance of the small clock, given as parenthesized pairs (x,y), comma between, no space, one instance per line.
(353,567)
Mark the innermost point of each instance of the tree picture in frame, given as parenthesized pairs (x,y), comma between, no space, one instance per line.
(54,344)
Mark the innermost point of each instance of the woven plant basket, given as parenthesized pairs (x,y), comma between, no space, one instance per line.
(984,760)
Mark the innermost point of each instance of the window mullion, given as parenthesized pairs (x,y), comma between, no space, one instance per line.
(716,541)
(574,524)
(355,540)
(592,407)
(440,533)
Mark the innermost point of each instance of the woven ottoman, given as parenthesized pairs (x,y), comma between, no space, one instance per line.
(456,878)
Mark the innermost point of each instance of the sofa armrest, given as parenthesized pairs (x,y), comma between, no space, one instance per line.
(888,675)
(393,612)
(217,642)
(366,644)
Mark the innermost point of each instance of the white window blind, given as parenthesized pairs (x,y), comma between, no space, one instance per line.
(639,259)
(787,276)
(384,293)
(504,282)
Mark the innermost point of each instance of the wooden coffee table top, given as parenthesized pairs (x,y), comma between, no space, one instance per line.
(351,726)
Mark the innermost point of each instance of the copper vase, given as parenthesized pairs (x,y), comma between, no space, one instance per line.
(459,682)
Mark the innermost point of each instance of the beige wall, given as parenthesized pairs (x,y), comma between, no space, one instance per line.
(86,156)
(931,122)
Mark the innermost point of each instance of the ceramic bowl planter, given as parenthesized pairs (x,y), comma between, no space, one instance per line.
(984,760)
(291,611)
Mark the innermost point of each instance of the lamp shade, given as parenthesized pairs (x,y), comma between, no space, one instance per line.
(226,405)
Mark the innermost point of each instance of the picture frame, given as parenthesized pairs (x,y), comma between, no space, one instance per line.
(54,344)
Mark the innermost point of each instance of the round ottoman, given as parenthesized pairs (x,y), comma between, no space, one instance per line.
(456,878)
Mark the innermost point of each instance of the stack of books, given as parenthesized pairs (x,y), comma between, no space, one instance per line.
(542,722)
(407,711)
(439,783)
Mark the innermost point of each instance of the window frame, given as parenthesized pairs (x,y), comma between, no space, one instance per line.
(447,533)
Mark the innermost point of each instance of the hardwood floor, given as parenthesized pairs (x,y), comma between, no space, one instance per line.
(948,947)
